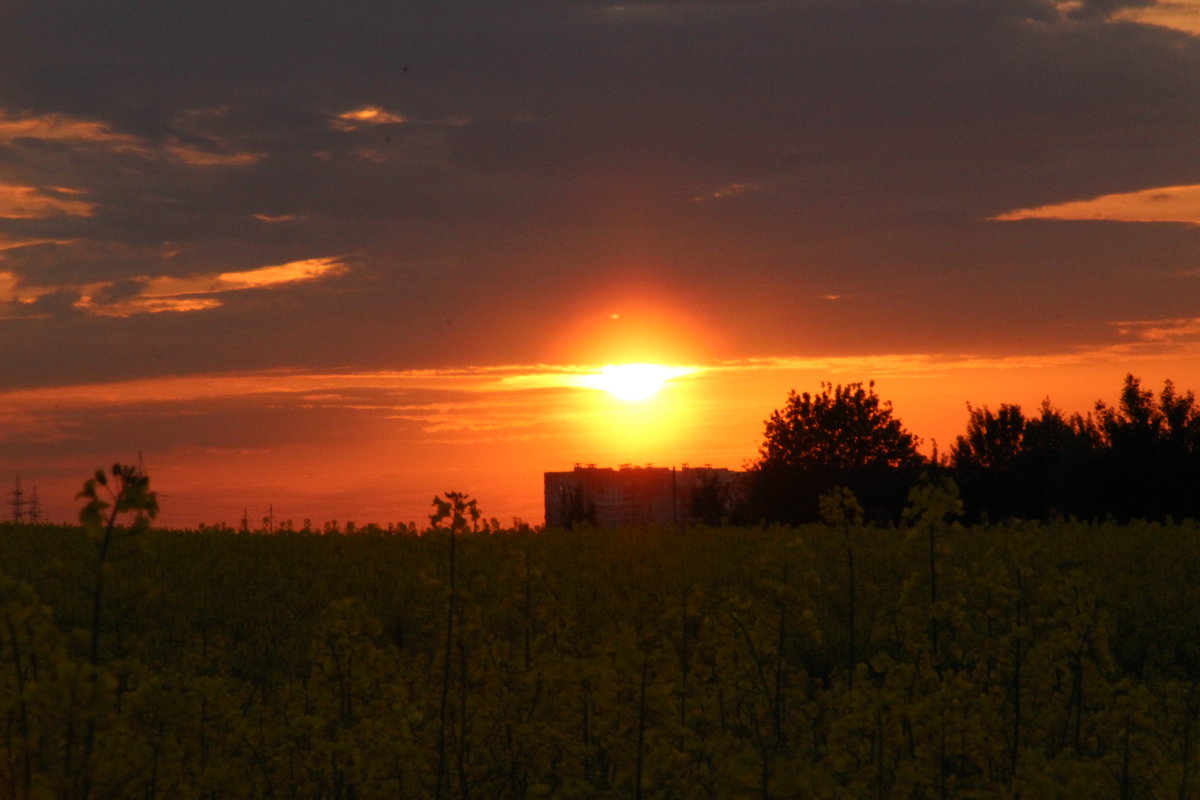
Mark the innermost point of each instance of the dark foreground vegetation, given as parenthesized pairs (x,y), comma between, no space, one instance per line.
(1137,459)
(837,659)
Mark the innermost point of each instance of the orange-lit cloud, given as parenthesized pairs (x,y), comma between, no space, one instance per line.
(907,365)
(30,202)
(1162,331)
(272,218)
(1164,204)
(364,116)
(9,243)
(143,305)
(292,272)
(12,292)
(1183,15)
(59,127)
(66,129)
(15,298)
(340,389)
(198,157)
(629,381)
(179,294)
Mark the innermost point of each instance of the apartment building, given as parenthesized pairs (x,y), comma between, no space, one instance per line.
(631,496)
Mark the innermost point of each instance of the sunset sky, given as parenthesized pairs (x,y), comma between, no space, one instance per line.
(332,258)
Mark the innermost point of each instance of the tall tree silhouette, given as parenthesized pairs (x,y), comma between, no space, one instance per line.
(985,461)
(1139,458)
(841,436)
(1151,449)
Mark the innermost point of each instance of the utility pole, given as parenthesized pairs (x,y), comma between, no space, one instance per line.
(675,501)
(18,503)
(35,508)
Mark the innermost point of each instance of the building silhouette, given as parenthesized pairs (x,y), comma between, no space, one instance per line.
(632,496)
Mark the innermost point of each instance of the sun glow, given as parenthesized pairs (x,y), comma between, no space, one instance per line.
(633,383)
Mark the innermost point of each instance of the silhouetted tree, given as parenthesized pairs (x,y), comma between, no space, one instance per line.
(992,440)
(984,462)
(1150,451)
(1138,458)
(842,436)
(1182,420)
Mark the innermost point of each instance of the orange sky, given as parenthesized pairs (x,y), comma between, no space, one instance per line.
(390,440)
(336,262)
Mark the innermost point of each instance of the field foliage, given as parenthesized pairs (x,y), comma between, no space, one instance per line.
(831,660)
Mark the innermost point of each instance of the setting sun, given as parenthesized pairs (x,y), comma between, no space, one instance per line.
(633,383)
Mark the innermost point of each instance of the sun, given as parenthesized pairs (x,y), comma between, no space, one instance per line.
(634,383)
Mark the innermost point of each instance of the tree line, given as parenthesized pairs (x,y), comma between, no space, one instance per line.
(1137,459)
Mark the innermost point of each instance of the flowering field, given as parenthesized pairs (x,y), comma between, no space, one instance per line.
(833,660)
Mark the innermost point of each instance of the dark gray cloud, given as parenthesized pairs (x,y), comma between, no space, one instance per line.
(745,160)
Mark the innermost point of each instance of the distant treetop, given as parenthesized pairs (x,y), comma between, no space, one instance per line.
(843,428)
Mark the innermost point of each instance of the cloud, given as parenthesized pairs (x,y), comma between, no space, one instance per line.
(200,157)
(1163,204)
(1176,331)
(390,390)
(30,202)
(364,117)
(162,294)
(9,243)
(1098,9)
(545,155)
(469,400)
(143,305)
(628,378)
(188,146)
(12,292)
(1183,15)
(292,272)
(61,128)
(918,365)
(19,301)
(274,218)
(182,294)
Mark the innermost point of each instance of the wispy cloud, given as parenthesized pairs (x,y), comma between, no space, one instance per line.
(61,128)
(64,129)
(365,116)
(291,272)
(31,202)
(190,293)
(1176,330)
(165,293)
(389,390)
(917,365)
(199,157)
(274,218)
(1183,15)
(143,305)
(10,243)
(1163,204)
(11,290)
